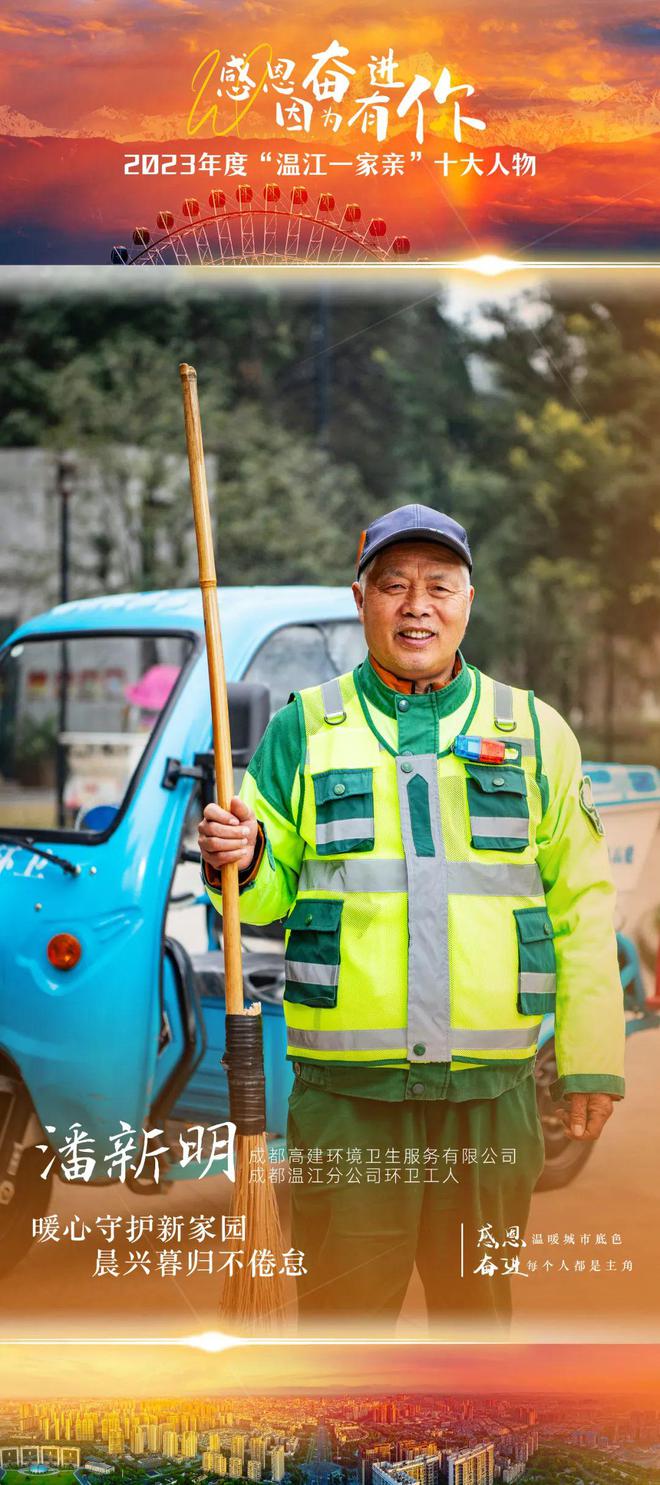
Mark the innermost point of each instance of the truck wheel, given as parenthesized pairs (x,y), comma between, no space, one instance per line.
(31,1198)
(563,1157)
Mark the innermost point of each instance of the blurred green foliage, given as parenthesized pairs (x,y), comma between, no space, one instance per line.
(541,434)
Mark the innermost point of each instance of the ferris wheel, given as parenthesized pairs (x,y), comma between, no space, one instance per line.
(270,229)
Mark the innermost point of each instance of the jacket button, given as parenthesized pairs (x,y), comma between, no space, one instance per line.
(308,920)
(417,1088)
(339,789)
(547,928)
(407,767)
(419,1049)
(403,704)
(498,780)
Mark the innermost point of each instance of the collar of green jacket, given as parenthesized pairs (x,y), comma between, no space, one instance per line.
(438,703)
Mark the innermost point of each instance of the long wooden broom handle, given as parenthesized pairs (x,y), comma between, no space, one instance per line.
(224,773)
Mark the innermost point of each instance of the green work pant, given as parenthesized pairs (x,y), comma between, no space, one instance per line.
(362,1236)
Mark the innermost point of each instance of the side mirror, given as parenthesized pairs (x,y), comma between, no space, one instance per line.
(249,715)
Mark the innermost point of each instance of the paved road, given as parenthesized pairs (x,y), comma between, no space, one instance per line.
(319,1465)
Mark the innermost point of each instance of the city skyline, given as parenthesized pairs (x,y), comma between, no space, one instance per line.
(409,1437)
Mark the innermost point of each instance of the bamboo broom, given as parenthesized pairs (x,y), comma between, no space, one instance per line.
(247,1298)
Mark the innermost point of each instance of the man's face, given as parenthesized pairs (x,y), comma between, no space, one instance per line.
(415,608)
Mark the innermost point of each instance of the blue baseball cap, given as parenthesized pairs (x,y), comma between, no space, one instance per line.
(412,523)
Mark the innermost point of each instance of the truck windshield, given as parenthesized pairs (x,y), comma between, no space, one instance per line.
(75,718)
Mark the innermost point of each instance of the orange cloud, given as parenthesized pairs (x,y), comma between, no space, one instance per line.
(26,27)
(501,27)
(178,5)
(100,26)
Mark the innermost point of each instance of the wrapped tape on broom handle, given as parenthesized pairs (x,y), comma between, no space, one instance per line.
(244,1057)
(244,1062)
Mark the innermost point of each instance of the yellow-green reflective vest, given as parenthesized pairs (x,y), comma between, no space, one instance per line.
(440,907)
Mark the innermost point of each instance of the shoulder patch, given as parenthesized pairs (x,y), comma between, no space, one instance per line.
(587,804)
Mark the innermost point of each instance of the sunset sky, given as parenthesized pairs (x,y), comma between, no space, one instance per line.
(576,85)
(57,1371)
(62,61)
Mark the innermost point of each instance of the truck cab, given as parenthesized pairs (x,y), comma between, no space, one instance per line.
(111,982)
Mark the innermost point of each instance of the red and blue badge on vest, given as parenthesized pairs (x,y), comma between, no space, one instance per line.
(497,800)
(485,749)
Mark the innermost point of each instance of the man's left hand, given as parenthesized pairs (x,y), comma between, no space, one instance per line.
(586,1114)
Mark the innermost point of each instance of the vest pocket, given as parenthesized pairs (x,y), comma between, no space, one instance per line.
(499,811)
(344,810)
(537,976)
(311,959)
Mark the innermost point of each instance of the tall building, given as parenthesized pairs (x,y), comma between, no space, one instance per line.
(424,1470)
(111,1424)
(525,1414)
(385,1412)
(214,1462)
(473,1467)
(277,1463)
(189,1444)
(258,1448)
(238,1444)
(115,1438)
(170,1443)
(236,1466)
(253,1469)
(138,1438)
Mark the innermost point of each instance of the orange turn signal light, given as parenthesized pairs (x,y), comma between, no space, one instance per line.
(64,951)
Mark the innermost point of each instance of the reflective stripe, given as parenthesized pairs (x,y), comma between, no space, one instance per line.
(352,876)
(469,878)
(503,1041)
(494,825)
(503,707)
(311,974)
(532,982)
(347,1041)
(384,1040)
(333,702)
(494,879)
(428,936)
(347,829)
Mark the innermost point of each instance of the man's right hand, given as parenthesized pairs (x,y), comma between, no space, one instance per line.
(228,837)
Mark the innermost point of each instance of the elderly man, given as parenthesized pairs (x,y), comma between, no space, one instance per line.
(426,833)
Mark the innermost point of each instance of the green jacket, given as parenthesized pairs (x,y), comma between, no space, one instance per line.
(423,891)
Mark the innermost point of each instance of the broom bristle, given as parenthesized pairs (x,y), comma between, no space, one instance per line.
(249,1300)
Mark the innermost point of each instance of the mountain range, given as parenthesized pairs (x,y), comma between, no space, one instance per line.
(591,114)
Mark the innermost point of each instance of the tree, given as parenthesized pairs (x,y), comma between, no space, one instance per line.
(580,550)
